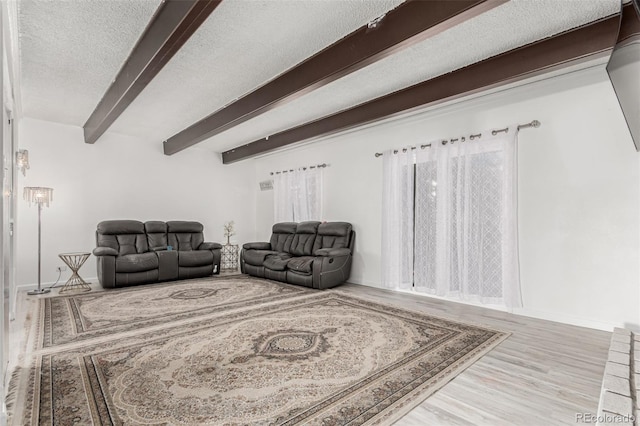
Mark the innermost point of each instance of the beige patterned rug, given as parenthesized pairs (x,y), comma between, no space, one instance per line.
(322,358)
(84,316)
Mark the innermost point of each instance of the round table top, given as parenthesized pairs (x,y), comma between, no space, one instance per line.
(75,254)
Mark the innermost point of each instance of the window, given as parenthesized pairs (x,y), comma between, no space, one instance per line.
(462,217)
(298,195)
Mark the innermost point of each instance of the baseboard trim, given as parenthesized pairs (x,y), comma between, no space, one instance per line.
(569,319)
(33,286)
(525,312)
(364,282)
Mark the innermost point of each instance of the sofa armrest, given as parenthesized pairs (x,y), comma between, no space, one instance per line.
(209,246)
(331,267)
(257,246)
(332,252)
(159,248)
(105,251)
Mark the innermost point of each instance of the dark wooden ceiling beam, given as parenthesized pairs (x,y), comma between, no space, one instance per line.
(170,27)
(409,23)
(560,50)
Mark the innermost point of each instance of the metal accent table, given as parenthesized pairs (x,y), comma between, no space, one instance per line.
(229,257)
(75,261)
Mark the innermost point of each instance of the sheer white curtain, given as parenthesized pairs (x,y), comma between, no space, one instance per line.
(282,198)
(453,230)
(397,219)
(466,220)
(298,195)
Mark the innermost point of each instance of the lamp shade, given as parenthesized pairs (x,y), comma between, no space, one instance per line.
(38,194)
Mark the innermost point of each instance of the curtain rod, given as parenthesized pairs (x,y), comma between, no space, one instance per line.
(534,123)
(320,166)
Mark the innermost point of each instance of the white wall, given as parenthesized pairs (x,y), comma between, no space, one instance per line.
(579,187)
(120,177)
(578,192)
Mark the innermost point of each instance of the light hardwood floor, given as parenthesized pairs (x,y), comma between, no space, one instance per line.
(543,374)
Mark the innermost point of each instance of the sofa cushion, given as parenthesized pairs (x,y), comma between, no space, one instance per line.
(156,234)
(182,242)
(277,262)
(275,275)
(195,258)
(210,246)
(305,236)
(137,277)
(184,235)
(125,236)
(256,271)
(155,227)
(282,236)
(105,251)
(130,243)
(194,271)
(325,252)
(113,227)
(136,262)
(301,264)
(256,257)
(333,235)
(298,278)
(257,246)
(184,226)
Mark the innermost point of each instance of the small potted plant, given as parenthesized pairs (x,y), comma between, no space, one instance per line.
(229,230)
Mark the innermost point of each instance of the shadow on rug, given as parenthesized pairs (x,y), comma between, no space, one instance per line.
(326,359)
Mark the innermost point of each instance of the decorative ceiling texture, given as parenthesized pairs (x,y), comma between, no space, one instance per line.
(511,25)
(72,50)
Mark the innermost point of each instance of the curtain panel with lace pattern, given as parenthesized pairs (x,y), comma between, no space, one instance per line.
(298,195)
(450,220)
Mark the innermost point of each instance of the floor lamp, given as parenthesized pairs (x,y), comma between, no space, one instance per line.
(41,196)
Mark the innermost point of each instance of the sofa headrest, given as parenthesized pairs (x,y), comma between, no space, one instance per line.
(184,226)
(155,227)
(284,228)
(115,227)
(335,229)
(307,228)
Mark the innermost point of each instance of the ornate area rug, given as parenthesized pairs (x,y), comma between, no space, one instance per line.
(83,316)
(324,358)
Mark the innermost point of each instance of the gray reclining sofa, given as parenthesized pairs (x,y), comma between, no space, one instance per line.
(311,254)
(130,252)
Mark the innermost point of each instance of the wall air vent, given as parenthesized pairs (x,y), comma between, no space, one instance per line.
(266,185)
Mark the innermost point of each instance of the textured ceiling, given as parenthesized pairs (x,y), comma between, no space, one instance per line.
(508,26)
(241,46)
(72,50)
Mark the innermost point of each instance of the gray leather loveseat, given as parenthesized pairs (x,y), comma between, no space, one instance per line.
(131,252)
(312,254)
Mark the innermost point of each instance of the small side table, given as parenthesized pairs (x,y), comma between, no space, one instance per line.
(229,257)
(75,261)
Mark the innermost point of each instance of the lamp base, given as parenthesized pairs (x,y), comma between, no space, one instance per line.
(40,291)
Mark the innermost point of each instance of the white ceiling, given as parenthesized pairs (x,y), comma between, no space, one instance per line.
(72,50)
(240,47)
(513,24)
